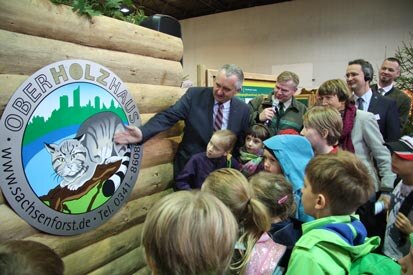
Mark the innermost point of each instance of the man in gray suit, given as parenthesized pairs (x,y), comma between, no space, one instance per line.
(199,108)
(389,72)
(359,74)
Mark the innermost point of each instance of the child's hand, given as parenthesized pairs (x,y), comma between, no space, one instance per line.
(386,200)
(403,224)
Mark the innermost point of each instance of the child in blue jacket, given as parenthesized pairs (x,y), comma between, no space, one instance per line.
(288,155)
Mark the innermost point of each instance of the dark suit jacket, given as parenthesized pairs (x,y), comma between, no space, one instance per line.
(195,107)
(387,116)
(403,103)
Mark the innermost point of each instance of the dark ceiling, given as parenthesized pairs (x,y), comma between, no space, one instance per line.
(183,9)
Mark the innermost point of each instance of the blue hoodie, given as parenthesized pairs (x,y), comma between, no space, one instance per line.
(293,153)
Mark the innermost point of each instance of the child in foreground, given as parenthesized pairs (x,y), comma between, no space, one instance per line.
(335,186)
(256,252)
(217,155)
(276,193)
(250,158)
(19,257)
(189,233)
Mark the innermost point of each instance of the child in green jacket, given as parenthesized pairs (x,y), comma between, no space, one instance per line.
(335,186)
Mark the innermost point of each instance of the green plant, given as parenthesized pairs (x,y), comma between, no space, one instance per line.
(110,8)
(405,81)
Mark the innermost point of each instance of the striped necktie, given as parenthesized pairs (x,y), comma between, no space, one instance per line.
(219,116)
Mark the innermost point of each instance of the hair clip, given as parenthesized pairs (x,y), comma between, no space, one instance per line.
(283,199)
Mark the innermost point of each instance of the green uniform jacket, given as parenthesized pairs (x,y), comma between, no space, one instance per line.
(320,251)
(292,118)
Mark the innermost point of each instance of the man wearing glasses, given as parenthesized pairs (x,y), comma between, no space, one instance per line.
(280,111)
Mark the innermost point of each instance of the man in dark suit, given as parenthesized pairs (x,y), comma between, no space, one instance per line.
(359,73)
(198,107)
(389,72)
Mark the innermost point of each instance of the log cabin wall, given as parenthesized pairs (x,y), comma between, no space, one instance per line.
(35,33)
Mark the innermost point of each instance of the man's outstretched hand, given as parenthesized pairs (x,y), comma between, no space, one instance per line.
(132,135)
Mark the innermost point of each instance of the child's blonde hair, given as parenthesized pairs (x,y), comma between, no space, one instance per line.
(276,193)
(326,121)
(342,178)
(233,189)
(29,257)
(189,233)
(227,139)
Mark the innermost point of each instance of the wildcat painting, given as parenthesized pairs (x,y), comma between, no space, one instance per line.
(75,160)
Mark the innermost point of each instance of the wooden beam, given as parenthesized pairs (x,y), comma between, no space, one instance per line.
(45,19)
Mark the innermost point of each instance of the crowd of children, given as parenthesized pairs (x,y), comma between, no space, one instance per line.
(294,199)
(270,235)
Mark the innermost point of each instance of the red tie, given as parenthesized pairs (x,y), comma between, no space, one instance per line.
(219,117)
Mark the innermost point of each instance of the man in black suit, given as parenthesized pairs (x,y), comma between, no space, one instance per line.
(198,107)
(359,73)
(389,72)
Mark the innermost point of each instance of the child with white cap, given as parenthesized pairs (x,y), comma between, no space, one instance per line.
(400,216)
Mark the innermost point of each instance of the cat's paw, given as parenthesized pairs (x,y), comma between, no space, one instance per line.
(112,159)
(74,186)
(63,184)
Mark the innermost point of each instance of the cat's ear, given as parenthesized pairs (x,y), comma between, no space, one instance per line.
(80,138)
(51,148)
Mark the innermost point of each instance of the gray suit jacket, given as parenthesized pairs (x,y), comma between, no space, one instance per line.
(368,145)
(195,107)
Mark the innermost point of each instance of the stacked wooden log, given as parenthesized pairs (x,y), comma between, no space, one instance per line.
(35,33)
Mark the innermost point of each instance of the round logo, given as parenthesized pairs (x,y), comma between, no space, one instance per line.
(61,170)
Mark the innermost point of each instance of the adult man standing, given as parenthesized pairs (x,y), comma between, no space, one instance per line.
(389,72)
(359,74)
(280,111)
(204,110)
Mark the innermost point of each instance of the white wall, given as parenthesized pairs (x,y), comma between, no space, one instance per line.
(325,33)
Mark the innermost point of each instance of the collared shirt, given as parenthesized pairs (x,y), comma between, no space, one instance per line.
(227,107)
(386,89)
(286,104)
(366,99)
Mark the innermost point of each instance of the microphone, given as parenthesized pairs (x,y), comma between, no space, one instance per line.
(274,106)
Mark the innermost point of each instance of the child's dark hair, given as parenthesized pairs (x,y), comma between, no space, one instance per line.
(29,257)
(342,178)
(275,192)
(259,131)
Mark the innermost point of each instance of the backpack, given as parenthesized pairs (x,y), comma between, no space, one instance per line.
(373,264)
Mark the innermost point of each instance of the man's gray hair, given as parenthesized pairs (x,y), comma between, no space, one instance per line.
(232,69)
